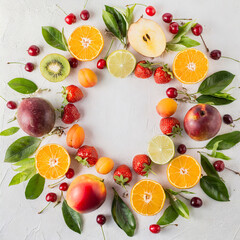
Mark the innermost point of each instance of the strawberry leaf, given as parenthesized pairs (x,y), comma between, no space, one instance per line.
(176,130)
(83,161)
(167,70)
(64,95)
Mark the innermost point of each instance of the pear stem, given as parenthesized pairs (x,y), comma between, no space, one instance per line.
(61,9)
(231,59)
(15,63)
(44,208)
(56,183)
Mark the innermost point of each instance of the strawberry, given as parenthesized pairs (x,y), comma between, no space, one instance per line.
(142,164)
(143,69)
(70,114)
(72,94)
(87,156)
(170,126)
(163,75)
(122,175)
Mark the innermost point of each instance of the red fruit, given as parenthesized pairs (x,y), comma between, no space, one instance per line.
(150,11)
(29,67)
(142,164)
(170,126)
(63,186)
(84,15)
(70,114)
(70,173)
(72,94)
(197,29)
(87,156)
(70,19)
(167,17)
(219,165)
(163,75)
(11,105)
(172,92)
(143,69)
(51,197)
(155,228)
(73,62)
(122,175)
(33,50)
(173,27)
(101,64)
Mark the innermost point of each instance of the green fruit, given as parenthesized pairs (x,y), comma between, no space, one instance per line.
(54,67)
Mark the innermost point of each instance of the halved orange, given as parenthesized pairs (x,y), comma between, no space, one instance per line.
(190,66)
(147,197)
(52,161)
(184,171)
(85,43)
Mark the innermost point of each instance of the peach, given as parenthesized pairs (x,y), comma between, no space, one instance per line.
(202,122)
(86,193)
(166,107)
(87,78)
(75,136)
(104,165)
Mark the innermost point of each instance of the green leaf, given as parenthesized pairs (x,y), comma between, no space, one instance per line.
(215,147)
(64,40)
(212,100)
(119,19)
(176,193)
(179,206)
(22,176)
(9,131)
(220,155)
(22,148)
(214,188)
(23,85)
(72,218)
(53,37)
(25,164)
(129,13)
(122,215)
(216,82)
(111,24)
(228,140)
(184,43)
(169,216)
(224,95)
(208,167)
(175,47)
(34,187)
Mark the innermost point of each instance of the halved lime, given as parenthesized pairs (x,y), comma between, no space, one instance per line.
(161,149)
(121,63)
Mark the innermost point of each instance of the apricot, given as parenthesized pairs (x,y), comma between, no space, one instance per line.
(86,193)
(87,78)
(166,107)
(104,165)
(75,136)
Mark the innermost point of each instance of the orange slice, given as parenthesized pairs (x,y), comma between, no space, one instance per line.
(52,161)
(85,43)
(190,66)
(147,197)
(184,172)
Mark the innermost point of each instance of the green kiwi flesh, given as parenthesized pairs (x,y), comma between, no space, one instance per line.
(54,67)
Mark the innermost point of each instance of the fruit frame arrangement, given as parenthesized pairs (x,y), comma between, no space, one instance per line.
(35,161)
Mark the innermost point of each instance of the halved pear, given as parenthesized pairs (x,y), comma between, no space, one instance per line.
(147,38)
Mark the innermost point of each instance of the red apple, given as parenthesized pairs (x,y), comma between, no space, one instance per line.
(202,122)
(86,193)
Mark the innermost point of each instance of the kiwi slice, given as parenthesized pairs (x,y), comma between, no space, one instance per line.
(55,67)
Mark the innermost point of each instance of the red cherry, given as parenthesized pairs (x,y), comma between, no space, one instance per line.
(84,15)
(101,219)
(155,228)
(11,105)
(70,19)
(196,202)
(167,17)
(33,50)
(150,11)
(51,197)
(70,173)
(29,67)
(215,54)
(182,149)
(73,62)
(219,165)
(197,29)
(173,28)
(172,92)
(63,186)
(101,64)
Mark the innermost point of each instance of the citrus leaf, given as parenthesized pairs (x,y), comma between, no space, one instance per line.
(34,187)
(9,131)
(169,216)
(72,218)
(22,176)
(176,193)
(22,148)
(129,13)
(208,167)
(122,215)
(179,206)
(220,155)
(25,164)
(213,100)
(23,85)
(214,188)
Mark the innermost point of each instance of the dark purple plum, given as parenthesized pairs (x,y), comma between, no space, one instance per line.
(36,116)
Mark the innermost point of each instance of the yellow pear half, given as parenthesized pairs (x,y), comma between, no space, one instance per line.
(147,38)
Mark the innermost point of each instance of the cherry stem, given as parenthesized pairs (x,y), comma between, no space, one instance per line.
(174,224)
(44,208)
(231,59)
(15,63)
(3,98)
(236,119)
(238,173)
(103,233)
(13,119)
(140,4)
(205,45)
(182,19)
(61,9)
(105,58)
(60,199)
(196,148)
(184,197)
(85,4)
(56,183)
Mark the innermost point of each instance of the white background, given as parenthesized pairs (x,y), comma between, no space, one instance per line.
(118,116)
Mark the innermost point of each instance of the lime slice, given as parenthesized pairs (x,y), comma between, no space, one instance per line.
(121,63)
(161,149)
